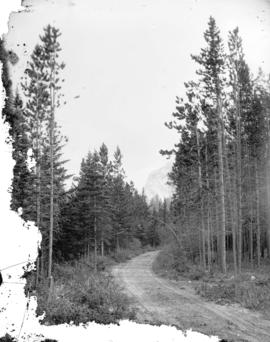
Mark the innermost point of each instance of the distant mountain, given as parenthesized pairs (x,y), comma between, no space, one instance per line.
(156,183)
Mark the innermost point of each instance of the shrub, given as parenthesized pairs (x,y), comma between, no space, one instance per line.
(195,272)
(122,255)
(254,295)
(135,244)
(64,270)
(171,260)
(104,262)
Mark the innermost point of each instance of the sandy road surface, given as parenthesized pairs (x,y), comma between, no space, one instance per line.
(161,301)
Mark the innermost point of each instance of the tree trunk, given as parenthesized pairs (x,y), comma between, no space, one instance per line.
(95,235)
(258,214)
(251,236)
(231,210)
(51,197)
(251,214)
(38,191)
(201,200)
(221,189)
(117,243)
(102,247)
(267,171)
(52,123)
(42,268)
(37,271)
(217,221)
(209,256)
(87,254)
(95,245)
(38,170)
(234,231)
(268,208)
(38,194)
(238,163)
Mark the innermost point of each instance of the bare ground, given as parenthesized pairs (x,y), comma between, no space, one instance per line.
(160,301)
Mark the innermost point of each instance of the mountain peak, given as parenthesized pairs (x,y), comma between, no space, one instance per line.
(157,183)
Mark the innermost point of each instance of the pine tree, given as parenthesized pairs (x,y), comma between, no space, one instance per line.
(118,200)
(106,205)
(41,87)
(35,90)
(260,135)
(241,96)
(51,48)
(212,62)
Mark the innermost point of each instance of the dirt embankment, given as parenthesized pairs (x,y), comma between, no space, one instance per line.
(161,301)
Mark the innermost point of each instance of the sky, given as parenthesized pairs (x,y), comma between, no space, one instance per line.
(126,61)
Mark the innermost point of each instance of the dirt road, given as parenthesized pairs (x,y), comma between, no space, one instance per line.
(161,301)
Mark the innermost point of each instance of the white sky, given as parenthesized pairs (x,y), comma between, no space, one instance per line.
(128,60)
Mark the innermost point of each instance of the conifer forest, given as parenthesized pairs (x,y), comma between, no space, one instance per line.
(215,228)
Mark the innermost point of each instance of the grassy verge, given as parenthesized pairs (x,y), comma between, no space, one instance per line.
(81,295)
(251,289)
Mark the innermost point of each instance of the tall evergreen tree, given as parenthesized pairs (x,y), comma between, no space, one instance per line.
(36,92)
(51,48)
(118,199)
(41,87)
(106,205)
(241,96)
(212,74)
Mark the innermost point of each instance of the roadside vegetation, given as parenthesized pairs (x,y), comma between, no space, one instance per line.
(81,293)
(250,289)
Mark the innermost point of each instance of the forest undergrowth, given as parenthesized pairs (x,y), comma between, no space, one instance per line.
(250,289)
(80,294)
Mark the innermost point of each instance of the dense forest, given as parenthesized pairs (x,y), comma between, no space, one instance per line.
(220,207)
